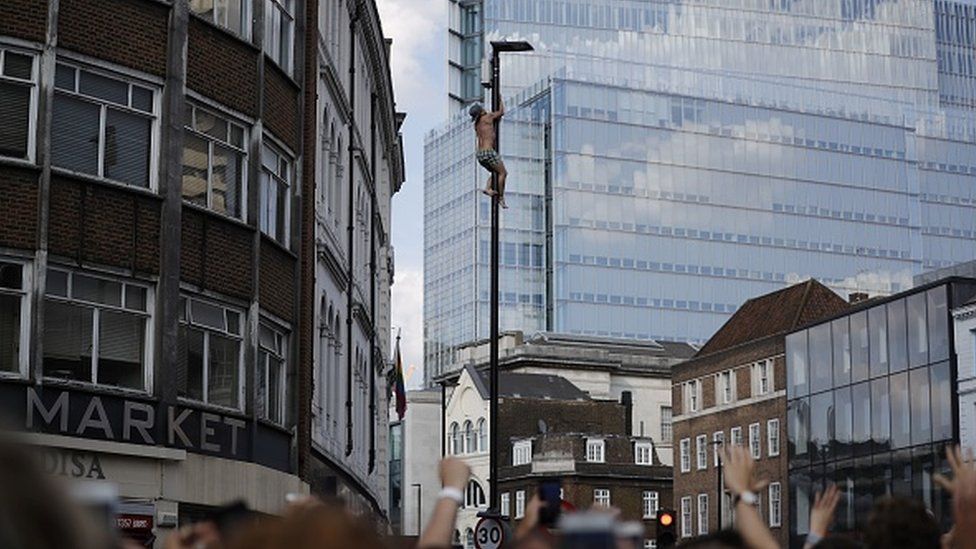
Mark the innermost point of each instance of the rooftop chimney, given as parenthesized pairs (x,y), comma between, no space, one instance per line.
(857,297)
(627,399)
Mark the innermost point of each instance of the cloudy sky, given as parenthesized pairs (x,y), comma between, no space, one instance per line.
(418,30)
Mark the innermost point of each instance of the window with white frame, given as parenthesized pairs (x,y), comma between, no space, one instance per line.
(686,517)
(685,450)
(474,496)
(701,451)
(728,509)
(755,441)
(214,162)
(469,438)
(96,329)
(650,544)
(763,377)
(718,442)
(520,504)
(601,497)
(725,386)
(275,194)
(595,450)
(14,316)
(233,15)
(272,358)
(775,505)
(735,436)
(666,429)
(455,438)
(643,453)
(702,514)
(103,125)
(692,395)
(279,32)
(211,348)
(505,503)
(649,504)
(772,437)
(18,103)
(482,431)
(521,452)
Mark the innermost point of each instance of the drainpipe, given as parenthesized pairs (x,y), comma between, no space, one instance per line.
(372,286)
(351,226)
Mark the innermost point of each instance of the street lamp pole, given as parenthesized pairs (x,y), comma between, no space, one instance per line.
(497,48)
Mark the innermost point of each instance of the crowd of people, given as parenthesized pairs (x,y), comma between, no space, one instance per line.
(37,513)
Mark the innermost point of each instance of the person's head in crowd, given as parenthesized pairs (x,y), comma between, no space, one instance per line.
(901,523)
(314,525)
(723,539)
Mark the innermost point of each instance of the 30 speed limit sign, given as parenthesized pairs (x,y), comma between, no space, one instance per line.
(489,534)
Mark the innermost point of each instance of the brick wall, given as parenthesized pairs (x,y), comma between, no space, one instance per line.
(26,19)
(217,254)
(276,293)
(18,207)
(132,33)
(215,58)
(280,105)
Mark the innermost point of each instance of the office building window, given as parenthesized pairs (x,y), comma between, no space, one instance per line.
(718,444)
(666,430)
(272,353)
(650,503)
(505,503)
(686,529)
(520,504)
(275,194)
(232,15)
(755,441)
(214,162)
(601,497)
(735,436)
(595,448)
(279,32)
(701,451)
(685,450)
(521,452)
(775,505)
(103,125)
(211,338)
(772,437)
(702,514)
(96,330)
(18,103)
(14,316)
(643,453)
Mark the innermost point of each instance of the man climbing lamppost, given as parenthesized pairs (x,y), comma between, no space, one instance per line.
(488,157)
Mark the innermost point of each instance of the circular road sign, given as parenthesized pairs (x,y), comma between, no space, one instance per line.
(489,534)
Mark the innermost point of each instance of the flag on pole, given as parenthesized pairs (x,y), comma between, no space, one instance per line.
(401,392)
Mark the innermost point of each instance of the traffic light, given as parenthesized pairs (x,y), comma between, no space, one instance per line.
(666,536)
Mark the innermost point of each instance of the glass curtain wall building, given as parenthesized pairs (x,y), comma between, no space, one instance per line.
(679,176)
(871,404)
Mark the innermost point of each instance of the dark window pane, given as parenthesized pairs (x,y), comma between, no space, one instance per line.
(64,78)
(821,425)
(74,137)
(207,315)
(921,411)
(227,181)
(901,473)
(9,333)
(878,329)
(861,401)
(897,336)
(11,276)
(883,475)
(844,478)
(859,346)
(121,344)
(261,384)
(109,89)
(820,353)
(880,415)
(96,290)
(800,497)
(142,99)
(15,113)
(274,394)
(923,469)
(796,365)
(195,160)
(900,411)
(194,364)
(841,343)
(798,431)
(918,341)
(942,418)
(863,491)
(843,423)
(127,148)
(57,283)
(938,318)
(224,371)
(135,298)
(67,341)
(17,65)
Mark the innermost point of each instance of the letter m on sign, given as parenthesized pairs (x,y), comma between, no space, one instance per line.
(59,408)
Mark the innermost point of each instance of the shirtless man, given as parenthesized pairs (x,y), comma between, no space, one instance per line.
(488,157)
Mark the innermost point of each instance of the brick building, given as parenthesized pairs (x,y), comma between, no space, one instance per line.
(734,390)
(164,168)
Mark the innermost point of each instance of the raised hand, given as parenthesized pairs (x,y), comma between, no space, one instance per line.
(822,512)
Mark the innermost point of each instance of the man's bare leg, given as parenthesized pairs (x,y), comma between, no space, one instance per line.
(488,190)
(502,174)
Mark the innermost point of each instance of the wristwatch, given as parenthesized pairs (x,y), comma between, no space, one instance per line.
(747,497)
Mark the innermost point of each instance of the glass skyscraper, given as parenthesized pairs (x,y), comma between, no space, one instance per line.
(671,159)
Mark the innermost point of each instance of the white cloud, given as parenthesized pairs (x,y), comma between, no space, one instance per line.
(408,317)
(418,30)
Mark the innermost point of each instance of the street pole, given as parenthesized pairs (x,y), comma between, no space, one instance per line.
(493,326)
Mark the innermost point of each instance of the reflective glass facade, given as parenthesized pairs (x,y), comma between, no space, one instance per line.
(681,177)
(871,405)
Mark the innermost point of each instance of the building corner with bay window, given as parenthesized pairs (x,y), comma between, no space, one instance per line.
(195,259)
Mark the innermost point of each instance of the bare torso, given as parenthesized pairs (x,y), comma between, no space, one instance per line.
(484,128)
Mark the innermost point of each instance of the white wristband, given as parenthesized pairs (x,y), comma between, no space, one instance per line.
(452,493)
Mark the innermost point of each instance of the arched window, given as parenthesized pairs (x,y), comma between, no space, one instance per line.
(482,435)
(469,539)
(469,440)
(457,537)
(474,496)
(455,439)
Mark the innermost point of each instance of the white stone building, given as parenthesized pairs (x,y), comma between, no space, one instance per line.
(964,321)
